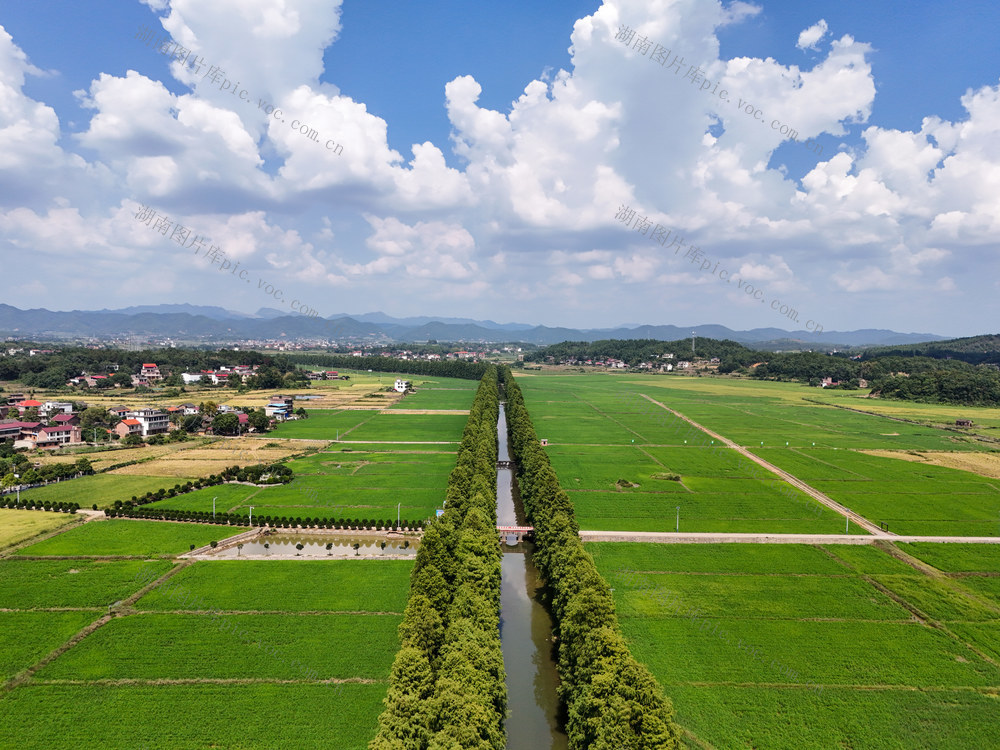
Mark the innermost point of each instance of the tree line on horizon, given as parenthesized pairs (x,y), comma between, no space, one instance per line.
(940,372)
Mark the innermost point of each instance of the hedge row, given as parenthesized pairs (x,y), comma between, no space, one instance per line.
(611,700)
(448,687)
(60,507)
(275,522)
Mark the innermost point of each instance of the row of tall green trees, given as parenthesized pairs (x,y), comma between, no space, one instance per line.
(611,700)
(447,687)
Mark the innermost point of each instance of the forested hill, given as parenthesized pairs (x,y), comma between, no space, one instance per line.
(634,351)
(974,349)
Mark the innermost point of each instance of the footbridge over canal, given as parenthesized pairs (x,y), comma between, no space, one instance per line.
(519,533)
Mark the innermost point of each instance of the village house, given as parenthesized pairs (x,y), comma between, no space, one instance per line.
(10,429)
(288,401)
(118,411)
(128,427)
(70,420)
(152,421)
(151,372)
(53,437)
(277,410)
(51,407)
(400,386)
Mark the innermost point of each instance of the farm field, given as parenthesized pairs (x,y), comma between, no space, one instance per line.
(102,489)
(288,586)
(323,424)
(247,715)
(312,640)
(451,397)
(26,637)
(912,498)
(411,428)
(18,525)
(352,482)
(119,537)
(740,635)
(47,584)
(593,418)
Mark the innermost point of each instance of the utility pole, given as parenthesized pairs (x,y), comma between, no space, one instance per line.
(678,527)
(213,507)
(692,342)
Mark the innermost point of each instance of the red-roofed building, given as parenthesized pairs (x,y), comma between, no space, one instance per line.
(66,419)
(10,429)
(128,427)
(151,372)
(28,404)
(53,437)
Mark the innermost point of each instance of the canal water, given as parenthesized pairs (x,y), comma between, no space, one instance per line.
(525,629)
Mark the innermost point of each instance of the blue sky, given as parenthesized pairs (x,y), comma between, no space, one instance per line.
(486,152)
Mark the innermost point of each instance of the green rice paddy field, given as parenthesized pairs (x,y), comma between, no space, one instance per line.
(347,481)
(741,636)
(236,654)
(615,451)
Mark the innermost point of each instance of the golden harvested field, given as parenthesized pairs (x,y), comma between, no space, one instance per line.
(18,525)
(105,458)
(202,460)
(984,464)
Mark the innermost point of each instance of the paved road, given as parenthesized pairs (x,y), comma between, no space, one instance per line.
(709,537)
(792,480)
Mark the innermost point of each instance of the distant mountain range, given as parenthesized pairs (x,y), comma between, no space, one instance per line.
(217,325)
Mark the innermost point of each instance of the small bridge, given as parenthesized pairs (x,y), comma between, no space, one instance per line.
(519,533)
(505,464)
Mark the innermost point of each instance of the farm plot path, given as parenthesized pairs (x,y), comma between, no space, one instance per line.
(792,480)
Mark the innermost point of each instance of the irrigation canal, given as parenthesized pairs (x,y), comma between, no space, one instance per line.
(525,628)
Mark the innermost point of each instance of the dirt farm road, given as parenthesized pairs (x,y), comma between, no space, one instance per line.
(792,480)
